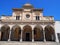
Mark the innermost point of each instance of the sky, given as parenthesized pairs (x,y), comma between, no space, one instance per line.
(50,7)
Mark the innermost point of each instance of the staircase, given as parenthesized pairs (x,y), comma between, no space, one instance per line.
(27,43)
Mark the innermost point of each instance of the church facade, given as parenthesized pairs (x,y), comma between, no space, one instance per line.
(29,24)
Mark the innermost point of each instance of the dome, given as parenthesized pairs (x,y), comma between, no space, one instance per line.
(27,5)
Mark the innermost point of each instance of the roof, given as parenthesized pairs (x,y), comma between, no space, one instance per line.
(28,6)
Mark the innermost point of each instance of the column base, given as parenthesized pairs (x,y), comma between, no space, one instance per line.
(32,40)
(8,39)
(44,40)
(20,40)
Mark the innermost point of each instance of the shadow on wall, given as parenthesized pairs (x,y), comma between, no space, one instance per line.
(58,36)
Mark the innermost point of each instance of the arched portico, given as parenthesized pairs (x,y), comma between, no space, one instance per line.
(15,33)
(49,33)
(5,33)
(27,33)
(38,33)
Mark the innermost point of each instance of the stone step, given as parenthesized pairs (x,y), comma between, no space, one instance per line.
(28,43)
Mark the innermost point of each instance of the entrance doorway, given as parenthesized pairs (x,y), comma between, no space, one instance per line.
(27,33)
(27,36)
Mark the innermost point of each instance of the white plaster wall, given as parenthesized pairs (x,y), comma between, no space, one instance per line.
(57,29)
(57,26)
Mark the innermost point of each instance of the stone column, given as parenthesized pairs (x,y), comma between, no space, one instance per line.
(56,37)
(0,31)
(44,34)
(21,36)
(32,34)
(10,33)
(0,34)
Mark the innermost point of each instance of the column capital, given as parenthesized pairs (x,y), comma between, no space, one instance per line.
(10,26)
(32,28)
(43,27)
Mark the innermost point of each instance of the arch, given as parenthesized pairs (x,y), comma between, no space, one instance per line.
(49,33)
(15,33)
(27,33)
(38,33)
(5,29)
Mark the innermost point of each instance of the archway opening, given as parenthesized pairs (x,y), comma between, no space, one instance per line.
(5,33)
(49,33)
(27,33)
(38,33)
(15,33)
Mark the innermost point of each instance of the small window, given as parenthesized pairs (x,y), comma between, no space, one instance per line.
(17,17)
(27,15)
(37,18)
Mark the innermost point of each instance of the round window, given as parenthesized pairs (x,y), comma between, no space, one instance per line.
(27,15)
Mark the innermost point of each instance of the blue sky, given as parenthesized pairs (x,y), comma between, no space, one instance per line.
(51,7)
